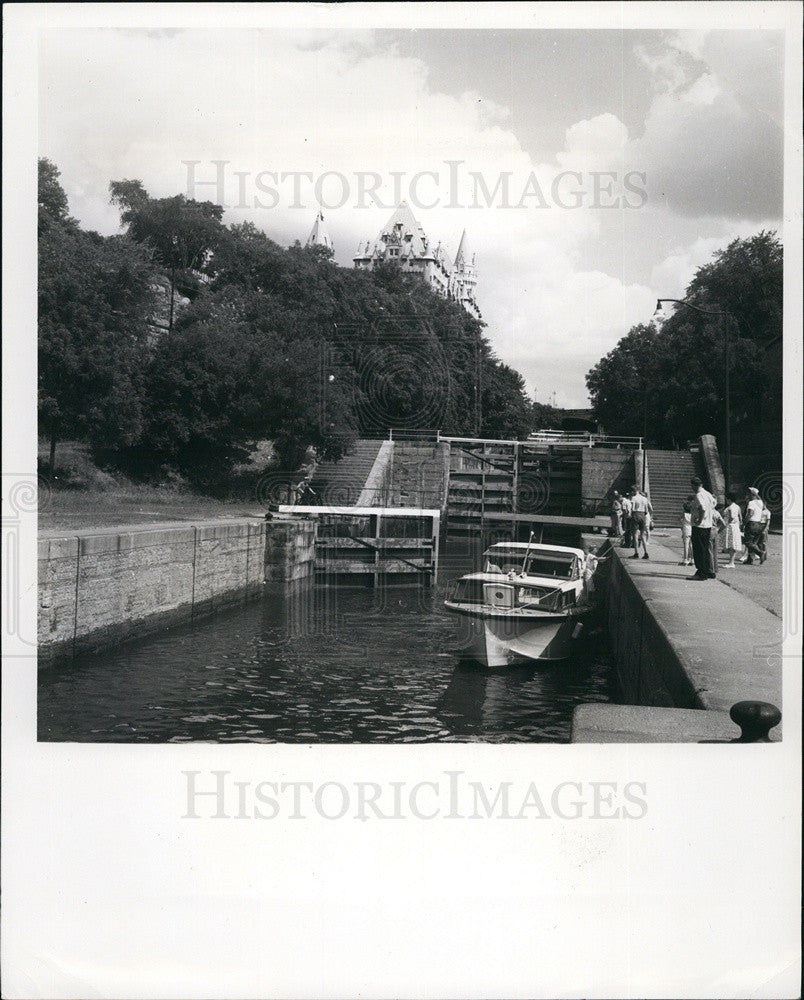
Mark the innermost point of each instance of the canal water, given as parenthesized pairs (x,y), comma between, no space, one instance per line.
(324,665)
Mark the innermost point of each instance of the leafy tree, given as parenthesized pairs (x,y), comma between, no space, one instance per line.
(544,417)
(668,383)
(183,233)
(625,384)
(277,343)
(507,411)
(224,381)
(745,280)
(51,196)
(94,299)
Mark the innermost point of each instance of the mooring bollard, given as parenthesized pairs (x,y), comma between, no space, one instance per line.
(755,719)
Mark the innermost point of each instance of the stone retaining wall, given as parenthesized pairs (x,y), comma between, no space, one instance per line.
(420,476)
(604,470)
(375,492)
(686,644)
(97,589)
(648,669)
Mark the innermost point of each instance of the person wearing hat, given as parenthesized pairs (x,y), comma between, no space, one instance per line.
(703,523)
(753,527)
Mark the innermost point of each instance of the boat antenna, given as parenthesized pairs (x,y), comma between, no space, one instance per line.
(527,553)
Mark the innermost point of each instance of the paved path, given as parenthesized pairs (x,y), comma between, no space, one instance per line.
(762,584)
(728,645)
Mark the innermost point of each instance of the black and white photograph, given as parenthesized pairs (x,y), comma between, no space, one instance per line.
(416,406)
(413,386)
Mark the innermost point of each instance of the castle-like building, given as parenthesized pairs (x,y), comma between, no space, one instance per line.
(403,242)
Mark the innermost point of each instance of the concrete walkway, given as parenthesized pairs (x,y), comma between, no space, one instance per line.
(763,584)
(724,639)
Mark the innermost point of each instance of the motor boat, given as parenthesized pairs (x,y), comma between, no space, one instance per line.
(528,603)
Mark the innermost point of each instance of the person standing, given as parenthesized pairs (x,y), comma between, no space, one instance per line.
(641,513)
(703,510)
(686,533)
(753,526)
(733,517)
(718,530)
(627,525)
(763,537)
(616,515)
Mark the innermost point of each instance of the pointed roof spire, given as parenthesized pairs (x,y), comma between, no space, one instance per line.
(462,256)
(319,235)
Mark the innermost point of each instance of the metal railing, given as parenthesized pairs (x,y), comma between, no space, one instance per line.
(380,496)
(414,434)
(568,438)
(585,439)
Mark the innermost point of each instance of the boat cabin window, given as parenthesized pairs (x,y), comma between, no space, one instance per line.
(502,564)
(559,565)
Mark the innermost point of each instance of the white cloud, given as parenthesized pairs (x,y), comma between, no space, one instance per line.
(709,144)
(131,104)
(595,144)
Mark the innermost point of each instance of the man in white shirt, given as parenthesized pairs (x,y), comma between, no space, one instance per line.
(754,526)
(703,521)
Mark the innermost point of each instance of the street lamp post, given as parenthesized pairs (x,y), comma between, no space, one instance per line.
(724,321)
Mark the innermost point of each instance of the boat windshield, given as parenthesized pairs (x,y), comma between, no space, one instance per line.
(559,565)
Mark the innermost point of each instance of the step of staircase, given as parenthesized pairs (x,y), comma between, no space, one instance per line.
(669,474)
(341,482)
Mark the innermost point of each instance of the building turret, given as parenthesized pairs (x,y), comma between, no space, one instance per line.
(319,236)
(463,278)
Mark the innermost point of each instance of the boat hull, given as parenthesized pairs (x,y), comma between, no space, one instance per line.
(500,642)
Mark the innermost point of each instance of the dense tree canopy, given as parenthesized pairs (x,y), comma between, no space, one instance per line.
(666,381)
(94,302)
(276,344)
(182,233)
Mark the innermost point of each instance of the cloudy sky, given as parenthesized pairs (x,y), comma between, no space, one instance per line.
(593,170)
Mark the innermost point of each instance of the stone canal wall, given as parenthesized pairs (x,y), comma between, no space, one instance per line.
(420,475)
(685,644)
(99,588)
(649,671)
(378,483)
(604,470)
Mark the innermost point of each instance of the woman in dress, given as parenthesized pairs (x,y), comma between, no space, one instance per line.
(733,517)
(686,533)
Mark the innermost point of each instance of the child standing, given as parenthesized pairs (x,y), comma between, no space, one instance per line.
(686,534)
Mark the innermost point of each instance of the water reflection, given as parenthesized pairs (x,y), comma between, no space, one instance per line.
(317,666)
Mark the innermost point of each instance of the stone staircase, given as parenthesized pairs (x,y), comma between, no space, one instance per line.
(339,484)
(669,474)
